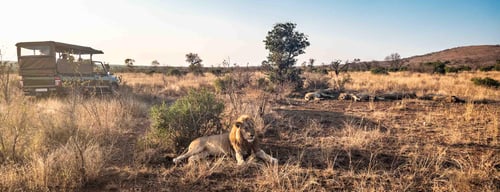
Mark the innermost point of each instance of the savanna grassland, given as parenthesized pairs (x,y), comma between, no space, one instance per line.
(103,143)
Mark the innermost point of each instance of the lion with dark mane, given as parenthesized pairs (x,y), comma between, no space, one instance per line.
(240,142)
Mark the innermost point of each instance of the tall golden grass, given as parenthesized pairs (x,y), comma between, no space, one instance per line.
(451,84)
(61,143)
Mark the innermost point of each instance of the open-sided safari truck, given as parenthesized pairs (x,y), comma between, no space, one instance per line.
(49,67)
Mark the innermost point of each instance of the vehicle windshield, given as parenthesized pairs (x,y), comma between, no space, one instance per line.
(35,50)
(99,67)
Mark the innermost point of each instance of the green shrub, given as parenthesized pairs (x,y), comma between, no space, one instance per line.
(451,69)
(379,71)
(289,76)
(497,67)
(439,68)
(218,71)
(464,68)
(189,117)
(487,82)
(175,72)
(392,69)
(150,72)
(486,68)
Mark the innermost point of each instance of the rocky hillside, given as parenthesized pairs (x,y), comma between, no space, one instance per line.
(473,56)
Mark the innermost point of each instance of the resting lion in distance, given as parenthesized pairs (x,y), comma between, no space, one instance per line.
(321,94)
(241,142)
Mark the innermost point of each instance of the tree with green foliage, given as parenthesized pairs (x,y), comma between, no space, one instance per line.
(379,71)
(130,63)
(284,44)
(155,63)
(195,65)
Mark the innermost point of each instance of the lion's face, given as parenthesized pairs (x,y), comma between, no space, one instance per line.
(246,127)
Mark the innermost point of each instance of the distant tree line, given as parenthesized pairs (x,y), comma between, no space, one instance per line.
(335,66)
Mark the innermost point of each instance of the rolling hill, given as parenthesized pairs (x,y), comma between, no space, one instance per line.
(474,56)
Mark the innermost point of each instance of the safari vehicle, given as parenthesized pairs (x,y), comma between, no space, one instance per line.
(48,67)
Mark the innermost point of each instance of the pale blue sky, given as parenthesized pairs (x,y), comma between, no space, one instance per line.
(166,30)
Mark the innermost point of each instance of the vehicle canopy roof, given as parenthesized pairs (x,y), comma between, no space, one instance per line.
(62,47)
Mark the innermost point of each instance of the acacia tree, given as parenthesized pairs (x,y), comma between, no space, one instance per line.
(284,44)
(130,63)
(195,65)
(155,63)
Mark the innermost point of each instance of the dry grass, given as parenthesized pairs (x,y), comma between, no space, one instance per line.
(170,86)
(450,84)
(76,143)
(61,143)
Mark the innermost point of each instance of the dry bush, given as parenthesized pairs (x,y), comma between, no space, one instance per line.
(315,81)
(237,92)
(16,128)
(340,81)
(69,166)
(66,167)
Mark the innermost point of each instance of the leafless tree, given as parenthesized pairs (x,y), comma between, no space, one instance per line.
(337,67)
(395,61)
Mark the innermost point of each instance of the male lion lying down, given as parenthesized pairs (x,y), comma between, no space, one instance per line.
(241,142)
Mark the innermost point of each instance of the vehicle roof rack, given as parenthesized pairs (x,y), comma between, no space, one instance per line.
(63,47)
